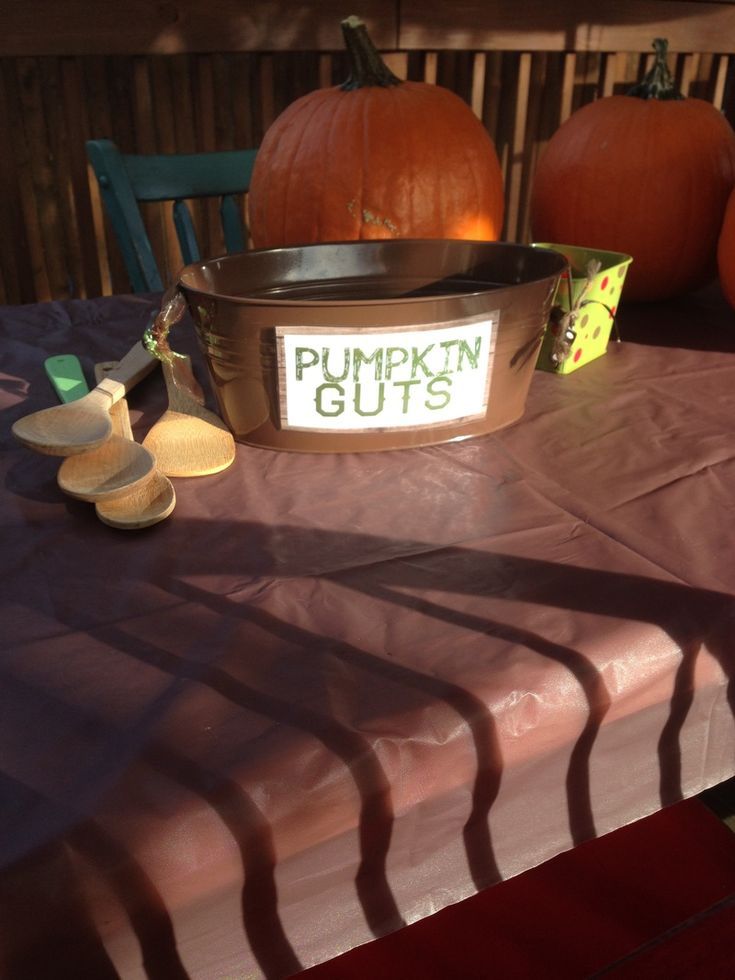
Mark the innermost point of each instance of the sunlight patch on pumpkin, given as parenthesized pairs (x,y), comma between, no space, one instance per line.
(475,228)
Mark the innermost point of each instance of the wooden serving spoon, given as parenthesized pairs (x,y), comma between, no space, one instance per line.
(147,503)
(188,439)
(82,425)
(118,463)
(114,469)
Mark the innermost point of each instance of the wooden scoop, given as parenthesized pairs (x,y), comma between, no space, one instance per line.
(116,468)
(147,503)
(188,439)
(85,424)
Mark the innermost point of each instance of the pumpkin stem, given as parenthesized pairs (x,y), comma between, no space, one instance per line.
(366,65)
(658,82)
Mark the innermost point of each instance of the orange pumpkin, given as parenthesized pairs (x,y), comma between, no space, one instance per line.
(375,158)
(647,174)
(726,252)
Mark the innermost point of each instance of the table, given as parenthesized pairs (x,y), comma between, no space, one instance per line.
(333,694)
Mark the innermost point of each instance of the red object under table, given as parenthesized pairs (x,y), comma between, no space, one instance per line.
(653,899)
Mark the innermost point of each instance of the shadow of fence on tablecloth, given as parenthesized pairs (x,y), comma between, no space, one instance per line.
(112,859)
(689,616)
(46,929)
(693,618)
(596,695)
(376,816)
(474,713)
(254,839)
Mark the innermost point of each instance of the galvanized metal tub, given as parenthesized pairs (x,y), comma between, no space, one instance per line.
(359,346)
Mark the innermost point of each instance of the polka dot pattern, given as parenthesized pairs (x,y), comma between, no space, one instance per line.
(595,318)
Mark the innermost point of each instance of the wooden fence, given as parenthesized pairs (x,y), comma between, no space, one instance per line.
(183,76)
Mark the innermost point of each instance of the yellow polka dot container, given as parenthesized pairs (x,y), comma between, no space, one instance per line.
(571,342)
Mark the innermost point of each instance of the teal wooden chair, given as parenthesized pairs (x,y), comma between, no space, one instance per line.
(125,179)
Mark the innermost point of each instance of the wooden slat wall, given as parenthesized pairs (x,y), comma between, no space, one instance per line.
(155,84)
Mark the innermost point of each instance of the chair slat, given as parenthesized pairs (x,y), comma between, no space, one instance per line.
(185,232)
(127,179)
(127,223)
(189,175)
(232,224)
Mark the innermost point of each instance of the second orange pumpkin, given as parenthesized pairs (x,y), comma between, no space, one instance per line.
(375,158)
(647,174)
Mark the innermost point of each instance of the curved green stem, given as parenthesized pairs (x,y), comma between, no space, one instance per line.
(366,65)
(658,82)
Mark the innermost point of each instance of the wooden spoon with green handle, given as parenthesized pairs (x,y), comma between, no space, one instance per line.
(149,501)
(85,424)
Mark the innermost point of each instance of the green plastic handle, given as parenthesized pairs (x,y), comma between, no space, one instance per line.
(66,375)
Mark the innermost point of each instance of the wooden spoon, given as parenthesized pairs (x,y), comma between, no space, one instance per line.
(188,439)
(85,424)
(150,503)
(147,503)
(98,472)
(114,469)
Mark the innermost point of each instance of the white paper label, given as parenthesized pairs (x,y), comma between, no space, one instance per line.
(387,378)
